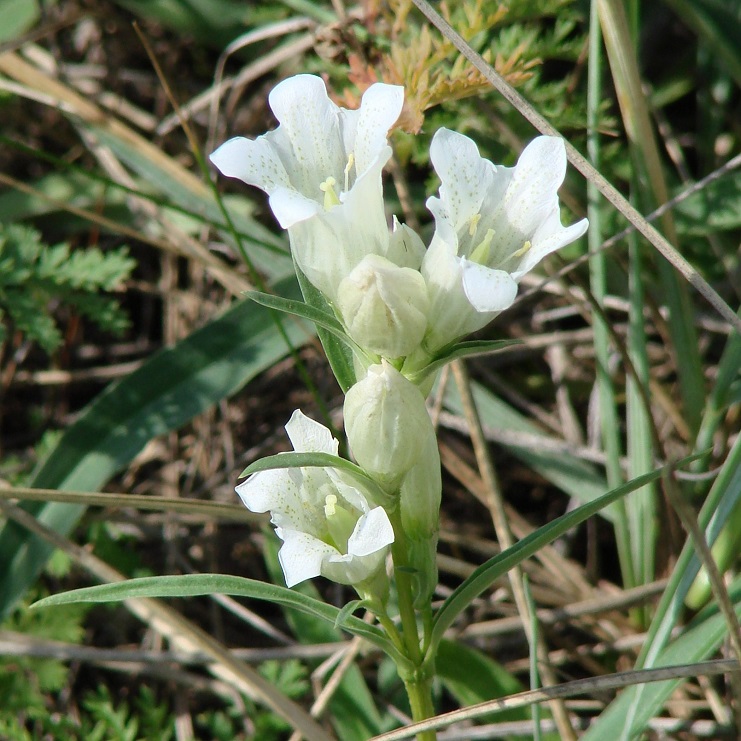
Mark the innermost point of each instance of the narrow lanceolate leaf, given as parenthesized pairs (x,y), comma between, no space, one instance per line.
(197,585)
(489,572)
(321,318)
(467,349)
(338,353)
(171,388)
(317,460)
(302,460)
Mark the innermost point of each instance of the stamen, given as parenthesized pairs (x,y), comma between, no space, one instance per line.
(348,167)
(525,247)
(474,224)
(480,253)
(330,195)
(330,505)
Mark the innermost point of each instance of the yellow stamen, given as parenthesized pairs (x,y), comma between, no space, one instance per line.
(473,225)
(330,505)
(348,167)
(480,253)
(525,247)
(330,195)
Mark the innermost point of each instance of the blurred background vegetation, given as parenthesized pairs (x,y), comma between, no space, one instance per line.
(129,362)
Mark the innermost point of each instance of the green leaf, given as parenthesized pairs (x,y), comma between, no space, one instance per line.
(171,388)
(486,574)
(629,714)
(198,585)
(472,677)
(338,353)
(301,309)
(17,17)
(319,460)
(467,349)
(304,460)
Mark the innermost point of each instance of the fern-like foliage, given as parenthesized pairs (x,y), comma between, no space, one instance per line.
(36,277)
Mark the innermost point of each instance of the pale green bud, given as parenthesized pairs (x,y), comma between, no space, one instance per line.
(387,424)
(384,306)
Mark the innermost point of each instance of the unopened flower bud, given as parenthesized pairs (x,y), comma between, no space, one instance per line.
(387,424)
(384,307)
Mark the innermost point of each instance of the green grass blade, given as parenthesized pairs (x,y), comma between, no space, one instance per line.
(628,716)
(724,496)
(486,574)
(609,420)
(171,388)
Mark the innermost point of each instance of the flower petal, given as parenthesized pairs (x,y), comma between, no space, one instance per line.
(301,555)
(255,162)
(291,207)
(379,110)
(466,176)
(373,531)
(309,135)
(268,490)
(488,290)
(308,436)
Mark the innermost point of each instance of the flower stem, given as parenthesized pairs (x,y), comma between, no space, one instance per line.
(418,683)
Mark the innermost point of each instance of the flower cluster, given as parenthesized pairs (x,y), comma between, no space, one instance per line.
(402,305)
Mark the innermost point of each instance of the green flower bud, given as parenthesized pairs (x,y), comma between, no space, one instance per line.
(387,424)
(384,306)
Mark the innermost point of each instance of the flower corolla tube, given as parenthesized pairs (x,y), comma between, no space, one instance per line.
(327,525)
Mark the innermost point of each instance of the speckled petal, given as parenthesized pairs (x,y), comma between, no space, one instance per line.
(255,162)
(301,555)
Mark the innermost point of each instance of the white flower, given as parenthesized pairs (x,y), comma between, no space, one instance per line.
(327,526)
(322,170)
(492,225)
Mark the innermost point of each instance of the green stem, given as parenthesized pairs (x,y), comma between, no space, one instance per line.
(419,691)
(418,683)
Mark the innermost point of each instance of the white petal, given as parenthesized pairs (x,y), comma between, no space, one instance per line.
(255,162)
(465,175)
(406,248)
(488,290)
(533,192)
(308,436)
(551,237)
(379,110)
(301,555)
(291,207)
(268,490)
(349,569)
(309,121)
(372,532)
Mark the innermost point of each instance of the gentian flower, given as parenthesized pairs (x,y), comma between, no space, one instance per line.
(492,225)
(326,524)
(322,171)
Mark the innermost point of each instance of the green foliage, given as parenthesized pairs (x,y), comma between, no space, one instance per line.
(25,680)
(34,276)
